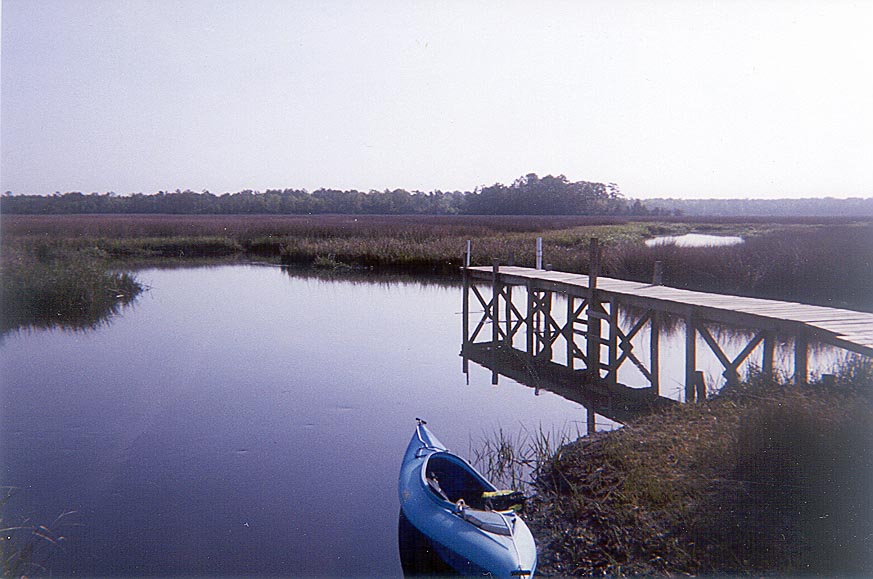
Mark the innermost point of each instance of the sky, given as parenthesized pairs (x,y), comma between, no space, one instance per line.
(667,98)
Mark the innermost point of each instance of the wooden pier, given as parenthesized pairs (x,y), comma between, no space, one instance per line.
(525,329)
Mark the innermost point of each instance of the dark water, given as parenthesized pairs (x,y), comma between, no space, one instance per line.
(238,421)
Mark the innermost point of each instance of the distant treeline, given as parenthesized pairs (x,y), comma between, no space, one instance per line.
(528,195)
(809,207)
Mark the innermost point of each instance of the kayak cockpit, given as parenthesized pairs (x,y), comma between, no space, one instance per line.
(451,479)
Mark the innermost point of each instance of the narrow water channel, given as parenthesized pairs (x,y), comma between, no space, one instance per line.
(241,421)
(244,421)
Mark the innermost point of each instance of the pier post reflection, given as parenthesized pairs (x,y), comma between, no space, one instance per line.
(529,357)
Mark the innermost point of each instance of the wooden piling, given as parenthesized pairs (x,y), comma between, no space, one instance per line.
(801,358)
(495,302)
(690,357)
(700,386)
(655,351)
(531,313)
(465,321)
(568,332)
(613,341)
(658,273)
(768,355)
(593,336)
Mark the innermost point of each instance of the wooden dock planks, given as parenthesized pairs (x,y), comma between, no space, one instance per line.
(847,329)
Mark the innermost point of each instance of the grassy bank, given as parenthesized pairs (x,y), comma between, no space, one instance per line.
(49,284)
(824,261)
(763,479)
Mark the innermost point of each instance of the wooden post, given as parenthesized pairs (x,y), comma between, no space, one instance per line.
(658,273)
(594,262)
(531,305)
(593,333)
(465,323)
(495,302)
(539,253)
(591,421)
(508,337)
(768,355)
(568,331)
(655,351)
(801,353)
(469,253)
(547,325)
(495,317)
(690,357)
(700,384)
(613,341)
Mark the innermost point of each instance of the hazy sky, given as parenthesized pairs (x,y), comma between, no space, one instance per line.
(674,98)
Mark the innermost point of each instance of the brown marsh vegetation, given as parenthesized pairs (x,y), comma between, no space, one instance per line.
(826,261)
(761,479)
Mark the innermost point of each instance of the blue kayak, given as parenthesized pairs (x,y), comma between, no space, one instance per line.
(447,500)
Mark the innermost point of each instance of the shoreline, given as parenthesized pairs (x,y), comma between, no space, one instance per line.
(766,479)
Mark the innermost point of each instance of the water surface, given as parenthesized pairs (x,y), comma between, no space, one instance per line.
(695,240)
(240,421)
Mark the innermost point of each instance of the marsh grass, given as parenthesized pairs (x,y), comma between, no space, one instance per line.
(176,246)
(514,461)
(827,265)
(825,261)
(763,478)
(48,284)
(26,547)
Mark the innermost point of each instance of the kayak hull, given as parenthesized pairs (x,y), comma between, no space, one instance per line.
(470,539)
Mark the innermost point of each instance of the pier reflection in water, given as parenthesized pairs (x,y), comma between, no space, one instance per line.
(619,355)
(241,421)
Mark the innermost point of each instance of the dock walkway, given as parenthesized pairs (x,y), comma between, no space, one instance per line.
(846,329)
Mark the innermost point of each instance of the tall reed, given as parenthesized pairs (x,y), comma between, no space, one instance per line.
(515,461)
(50,285)
(25,547)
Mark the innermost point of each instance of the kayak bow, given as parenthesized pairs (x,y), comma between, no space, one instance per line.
(450,502)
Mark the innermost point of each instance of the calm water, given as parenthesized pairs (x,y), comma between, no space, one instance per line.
(241,421)
(695,240)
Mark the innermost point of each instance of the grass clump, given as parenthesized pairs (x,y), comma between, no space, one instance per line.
(514,461)
(52,285)
(25,548)
(759,480)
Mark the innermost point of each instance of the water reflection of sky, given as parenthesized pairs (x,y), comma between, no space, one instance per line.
(695,240)
(240,421)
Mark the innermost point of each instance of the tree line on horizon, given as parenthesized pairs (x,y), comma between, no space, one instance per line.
(527,195)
